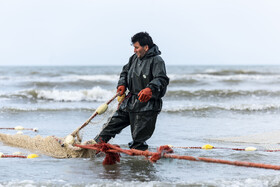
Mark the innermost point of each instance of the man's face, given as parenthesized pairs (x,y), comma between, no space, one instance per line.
(139,50)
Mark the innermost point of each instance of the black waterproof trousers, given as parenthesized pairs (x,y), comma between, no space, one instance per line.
(142,126)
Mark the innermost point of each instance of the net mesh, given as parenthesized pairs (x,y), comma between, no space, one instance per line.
(52,146)
(45,145)
(94,127)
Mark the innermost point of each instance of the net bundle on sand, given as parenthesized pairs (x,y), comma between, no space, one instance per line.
(49,145)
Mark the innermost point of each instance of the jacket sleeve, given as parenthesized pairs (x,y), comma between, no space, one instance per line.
(123,75)
(160,80)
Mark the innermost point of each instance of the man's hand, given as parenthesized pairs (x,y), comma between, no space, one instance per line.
(121,89)
(145,95)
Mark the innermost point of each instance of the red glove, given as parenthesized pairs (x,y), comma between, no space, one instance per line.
(145,95)
(121,89)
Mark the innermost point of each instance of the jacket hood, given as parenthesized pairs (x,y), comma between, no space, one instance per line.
(152,52)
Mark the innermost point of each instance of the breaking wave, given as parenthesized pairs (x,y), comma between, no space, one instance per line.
(61,79)
(169,109)
(99,79)
(194,78)
(222,93)
(49,109)
(264,181)
(238,72)
(99,94)
(220,107)
(94,94)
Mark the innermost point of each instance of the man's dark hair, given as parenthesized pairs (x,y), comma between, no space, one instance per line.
(143,38)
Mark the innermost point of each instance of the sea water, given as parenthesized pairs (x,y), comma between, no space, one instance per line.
(201,103)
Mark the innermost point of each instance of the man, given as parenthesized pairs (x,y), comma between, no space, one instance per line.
(145,78)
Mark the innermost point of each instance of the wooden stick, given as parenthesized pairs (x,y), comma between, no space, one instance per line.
(91,117)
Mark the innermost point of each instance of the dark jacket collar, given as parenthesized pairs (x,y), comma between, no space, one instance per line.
(152,52)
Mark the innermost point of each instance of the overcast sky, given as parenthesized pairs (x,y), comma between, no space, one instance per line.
(92,32)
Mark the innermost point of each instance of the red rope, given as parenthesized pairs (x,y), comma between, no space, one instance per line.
(113,155)
(160,153)
(13,156)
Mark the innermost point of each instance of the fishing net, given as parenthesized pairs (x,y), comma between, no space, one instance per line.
(94,127)
(55,146)
(49,145)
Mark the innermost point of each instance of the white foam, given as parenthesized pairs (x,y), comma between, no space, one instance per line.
(176,107)
(94,94)
(262,181)
(223,77)
(31,183)
(66,78)
(108,78)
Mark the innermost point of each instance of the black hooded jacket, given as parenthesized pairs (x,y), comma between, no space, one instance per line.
(137,74)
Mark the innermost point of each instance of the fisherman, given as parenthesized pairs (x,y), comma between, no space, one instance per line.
(145,78)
